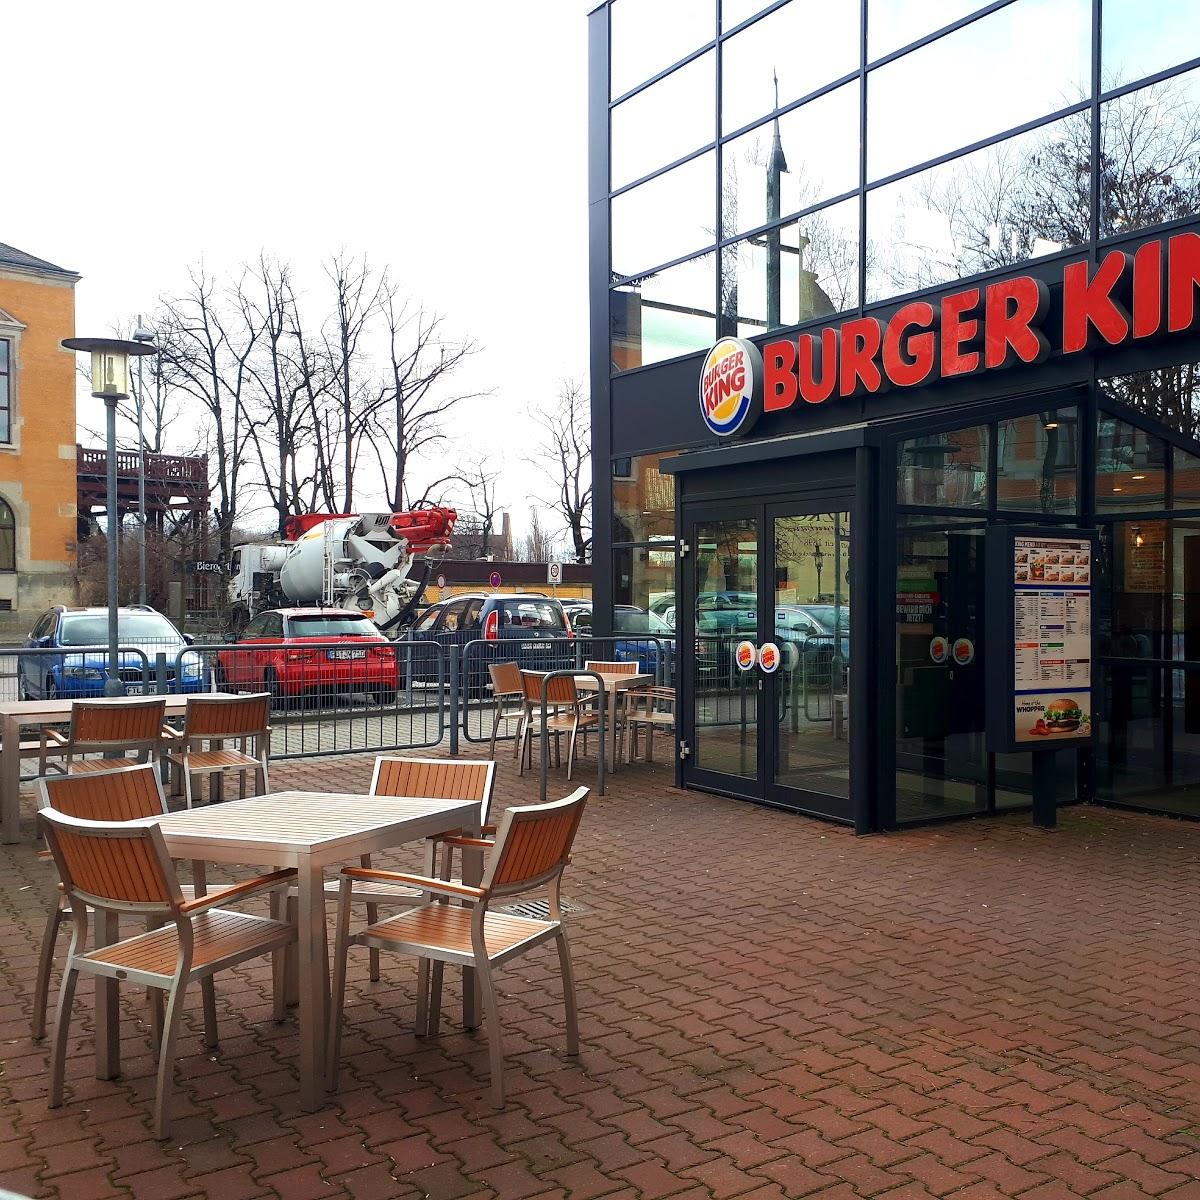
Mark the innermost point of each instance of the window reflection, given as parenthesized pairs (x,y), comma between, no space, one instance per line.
(649,35)
(665,121)
(1171,395)
(800,271)
(643,499)
(1137,41)
(802,45)
(1019,199)
(1009,67)
(734,12)
(1150,155)
(895,23)
(793,162)
(1036,462)
(664,218)
(1131,468)
(664,314)
(645,578)
(946,469)
(1185,484)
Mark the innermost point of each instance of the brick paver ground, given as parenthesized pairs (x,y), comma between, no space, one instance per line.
(770,1008)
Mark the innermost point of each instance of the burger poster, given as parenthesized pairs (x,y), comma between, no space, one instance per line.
(1049,717)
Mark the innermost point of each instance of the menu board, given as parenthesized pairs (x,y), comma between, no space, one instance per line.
(1052,639)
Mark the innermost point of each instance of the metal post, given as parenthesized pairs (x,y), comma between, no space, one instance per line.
(112,685)
(1045,814)
(141,485)
(455,673)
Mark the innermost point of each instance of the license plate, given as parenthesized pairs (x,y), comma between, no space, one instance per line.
(341,654)
(134,689)
(542,646)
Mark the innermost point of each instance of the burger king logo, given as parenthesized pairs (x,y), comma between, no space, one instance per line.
(731,374)
(768,658)
(744,654)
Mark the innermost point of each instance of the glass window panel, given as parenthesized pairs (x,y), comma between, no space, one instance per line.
(644,577)
(1185,590)
(803,270)
(1150,161)
(734,12)
(947,469)
(1019,199)
(664,314)
(643,499)
(1138,41)
(665,218)
(665,121)
(1131,468)
(8,540)
(1132,735)
(647,36)
(1132,590)
(895,23)
(3,354)
(1171,395)
(1037,460)
(1012,66)
(1185,484)
(804,45)
(792,163)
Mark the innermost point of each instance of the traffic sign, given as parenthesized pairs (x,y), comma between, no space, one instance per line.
(554,572)
(441,582)
(494,579)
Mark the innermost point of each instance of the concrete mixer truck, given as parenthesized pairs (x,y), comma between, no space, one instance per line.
(364,562)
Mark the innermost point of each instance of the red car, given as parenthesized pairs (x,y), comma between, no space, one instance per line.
(294,652)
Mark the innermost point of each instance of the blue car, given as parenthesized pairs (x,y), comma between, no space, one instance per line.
(80,669)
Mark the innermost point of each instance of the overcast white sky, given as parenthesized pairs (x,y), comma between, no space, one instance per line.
(445,138)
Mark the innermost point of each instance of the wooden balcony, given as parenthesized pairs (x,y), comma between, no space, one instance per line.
(173,481)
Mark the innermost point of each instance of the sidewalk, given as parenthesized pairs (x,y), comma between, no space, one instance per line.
(769,1008)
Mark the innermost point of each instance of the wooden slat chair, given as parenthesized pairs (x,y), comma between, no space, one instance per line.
(123,867)
(613,668)
(567,712)
(123,794)
(508,698)
(649,709)
(130,730)
(532,848)
(241,718)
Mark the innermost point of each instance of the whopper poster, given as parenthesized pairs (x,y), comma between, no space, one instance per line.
(1052,639)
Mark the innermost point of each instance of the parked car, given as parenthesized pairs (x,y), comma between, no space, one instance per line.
(82,634)
(727,613)
(528,628)
(814,625)
(296,652)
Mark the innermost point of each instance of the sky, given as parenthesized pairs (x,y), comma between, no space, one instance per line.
(446,139)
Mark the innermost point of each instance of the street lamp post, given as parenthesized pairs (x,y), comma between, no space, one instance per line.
(818,557)
(110,383)
(146,336)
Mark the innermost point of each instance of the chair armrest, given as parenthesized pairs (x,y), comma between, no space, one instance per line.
(239,891)
(458,833)
(459,840)
(171,734)
(445,886)
(52,735)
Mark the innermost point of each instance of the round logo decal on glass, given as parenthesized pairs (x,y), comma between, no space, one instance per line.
(744,655)
(963,651)
(939,649)
(729,376)
(768,657)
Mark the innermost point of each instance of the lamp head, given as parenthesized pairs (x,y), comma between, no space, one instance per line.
(110,363)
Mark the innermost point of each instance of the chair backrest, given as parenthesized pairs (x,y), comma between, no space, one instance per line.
(533,844)
(506,678)
(560,690)
(126,794)
(437,778)
(227,716)
(611,668)
(112,864)
(117,722)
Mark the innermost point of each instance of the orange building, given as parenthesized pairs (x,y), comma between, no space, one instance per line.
(37,439)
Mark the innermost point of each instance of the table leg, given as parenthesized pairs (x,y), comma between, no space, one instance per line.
(10,781)
(108,1021)
(314,985)
(472,874)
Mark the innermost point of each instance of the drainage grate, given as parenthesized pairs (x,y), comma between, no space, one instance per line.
(539,910)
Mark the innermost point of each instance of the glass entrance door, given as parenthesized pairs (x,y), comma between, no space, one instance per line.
(765,652)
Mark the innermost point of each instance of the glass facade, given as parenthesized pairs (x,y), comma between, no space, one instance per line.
(782,110)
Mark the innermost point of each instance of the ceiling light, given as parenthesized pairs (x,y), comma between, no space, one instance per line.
(1139,477)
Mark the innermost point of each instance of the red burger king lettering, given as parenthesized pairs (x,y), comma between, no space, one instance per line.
(988,327)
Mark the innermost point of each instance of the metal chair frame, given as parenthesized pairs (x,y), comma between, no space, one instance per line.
(645,708)
(122,867)
(531,850)
(572,713)
(99,727)
(503,699)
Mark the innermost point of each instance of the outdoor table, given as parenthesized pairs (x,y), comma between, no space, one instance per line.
(16,715)
(613,686)
(308,831)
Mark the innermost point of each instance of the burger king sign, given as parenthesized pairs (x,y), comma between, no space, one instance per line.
(731,386)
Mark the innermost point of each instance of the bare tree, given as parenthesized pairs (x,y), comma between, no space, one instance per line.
(406,415)
(480,483)
(564,457)
(538,545)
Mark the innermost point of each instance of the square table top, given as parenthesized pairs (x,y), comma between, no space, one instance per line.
(619,683)
(40,710)
(305,822)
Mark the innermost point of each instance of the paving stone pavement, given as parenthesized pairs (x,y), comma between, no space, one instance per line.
(769,1008)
